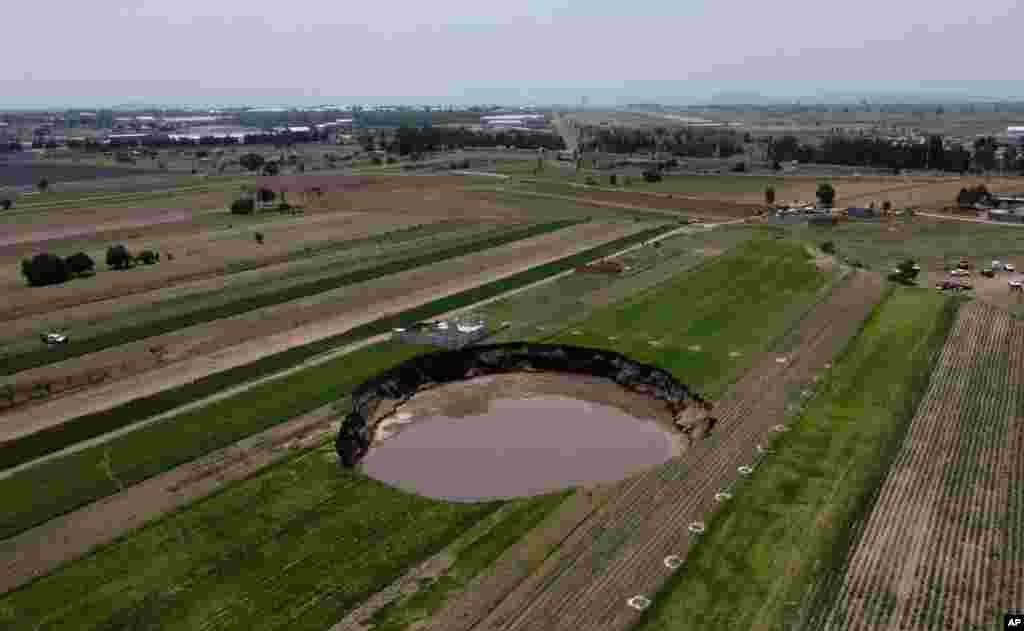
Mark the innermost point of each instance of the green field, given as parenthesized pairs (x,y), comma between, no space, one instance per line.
(932,241)
(77,479)
(522,516)
(295,547)
(682,184)
(736,303)
(794,517)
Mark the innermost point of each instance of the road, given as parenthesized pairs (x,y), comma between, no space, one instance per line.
(969,220)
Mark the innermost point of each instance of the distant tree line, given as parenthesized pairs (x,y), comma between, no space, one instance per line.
(881,153)
(413,141)
(681,142)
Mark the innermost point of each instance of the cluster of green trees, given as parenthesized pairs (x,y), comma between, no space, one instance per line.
(881,153)
(412,141)
(968,197)
(50,269)
(682,142)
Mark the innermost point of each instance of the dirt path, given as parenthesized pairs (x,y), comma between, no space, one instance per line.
(278,333)
(619,551)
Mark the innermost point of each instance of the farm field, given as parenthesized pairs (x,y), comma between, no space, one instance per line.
(24,173)
(36,486)
(919,192)
(942,546)
(313,287)
(937,245)
(748,317)
(232,342)
(86,321)
(618,552)
(104,469)
(795,512)
(340,536)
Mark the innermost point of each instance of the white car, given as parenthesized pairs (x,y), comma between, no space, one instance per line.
(55,338)
(1009,267)
(959,272)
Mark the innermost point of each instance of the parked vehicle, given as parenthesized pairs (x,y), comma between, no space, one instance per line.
(1009,267)
(987,273)
(54,338)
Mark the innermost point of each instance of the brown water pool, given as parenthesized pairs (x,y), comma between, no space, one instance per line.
(513,447)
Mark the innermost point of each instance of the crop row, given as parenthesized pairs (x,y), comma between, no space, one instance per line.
(45,491)
(25,361)
(942,547)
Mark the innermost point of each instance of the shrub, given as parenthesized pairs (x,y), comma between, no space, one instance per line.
(265,195)
(259,237)
(6,204)
(739,167)
(44,269)
(392,159)
(652,176)
(376,161)
(148,257)
(590,181)
(464,164)
(613,180)
(251,161)
(118,257)
(271,168)
(826,194)
(79,264)
(242,207)
(905,273)
(828,247)
(44,185)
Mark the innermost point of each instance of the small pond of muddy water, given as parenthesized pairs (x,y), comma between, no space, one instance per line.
(520,434)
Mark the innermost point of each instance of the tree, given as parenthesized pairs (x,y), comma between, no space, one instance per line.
(44,269)
(265,195)
(886,206)
(79,264)
(251,161)
(828,247)
(652,176)
(44,185)
(259,237)
(826,194)
(6,204)
(244,206)
(769,195)
(148,257)
(118,257)
(906,273)
(613,180)
(271,168)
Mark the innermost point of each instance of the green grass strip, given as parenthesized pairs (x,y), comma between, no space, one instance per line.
(792,520)
(53,488)
(127,335)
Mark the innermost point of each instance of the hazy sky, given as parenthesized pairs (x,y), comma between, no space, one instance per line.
(106,52)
